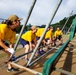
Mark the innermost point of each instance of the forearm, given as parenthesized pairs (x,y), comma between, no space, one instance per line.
(6,48)
(2,44)
(30,44)
(35,41)
(11,45)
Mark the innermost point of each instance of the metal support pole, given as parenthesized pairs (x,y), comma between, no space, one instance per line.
(2,19)
(43,55)
(28,16)
(51,18)
(27,69)
(64,71)
(67,21)
(69,29)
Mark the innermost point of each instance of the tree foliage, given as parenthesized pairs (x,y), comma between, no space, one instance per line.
(58,24)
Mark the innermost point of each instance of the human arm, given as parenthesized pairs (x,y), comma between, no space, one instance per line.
(3,45)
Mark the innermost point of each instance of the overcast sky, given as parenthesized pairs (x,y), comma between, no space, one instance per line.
(41,12)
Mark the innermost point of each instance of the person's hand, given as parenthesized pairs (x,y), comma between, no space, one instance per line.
(11,50)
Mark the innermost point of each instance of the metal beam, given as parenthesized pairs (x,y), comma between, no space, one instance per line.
(72,31)
(64,71)
(27,69)
(49,65)
(2,19)
(67,20)
(69,29)
(26,21)
(43,55)
(22,55)
(47,25)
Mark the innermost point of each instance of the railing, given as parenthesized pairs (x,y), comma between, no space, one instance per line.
(49,65)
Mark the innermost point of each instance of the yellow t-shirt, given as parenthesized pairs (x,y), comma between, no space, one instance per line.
(29,36)
(57,33)
(6,34)
(49,34)
(39,32)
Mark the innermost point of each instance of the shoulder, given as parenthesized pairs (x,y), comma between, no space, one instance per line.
(60,30)
(29,32)
(3,25)
(48,32)
(56,31)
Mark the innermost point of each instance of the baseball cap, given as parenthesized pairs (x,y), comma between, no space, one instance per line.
(33,27)
(14,17)
(51,27)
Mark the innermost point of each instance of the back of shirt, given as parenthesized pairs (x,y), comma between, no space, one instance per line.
(57,33)
(39,32)
(28,36)
(6,33)
(49,34)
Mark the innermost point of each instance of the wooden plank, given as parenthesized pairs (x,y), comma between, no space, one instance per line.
(27,69)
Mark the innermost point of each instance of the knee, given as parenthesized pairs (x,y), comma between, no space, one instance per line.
(27,47)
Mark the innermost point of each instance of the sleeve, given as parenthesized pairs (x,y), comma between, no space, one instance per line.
(55,34)
(37,33)
(51,35)
(34,38)
(61,33)
(30,37)
(2,34)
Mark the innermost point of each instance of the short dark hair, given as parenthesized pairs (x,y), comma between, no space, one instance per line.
(8,22)
(3,22)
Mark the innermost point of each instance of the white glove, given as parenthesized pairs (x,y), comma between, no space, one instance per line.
(11,50)
(31,49)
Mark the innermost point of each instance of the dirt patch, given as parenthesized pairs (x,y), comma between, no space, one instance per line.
(66,62)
